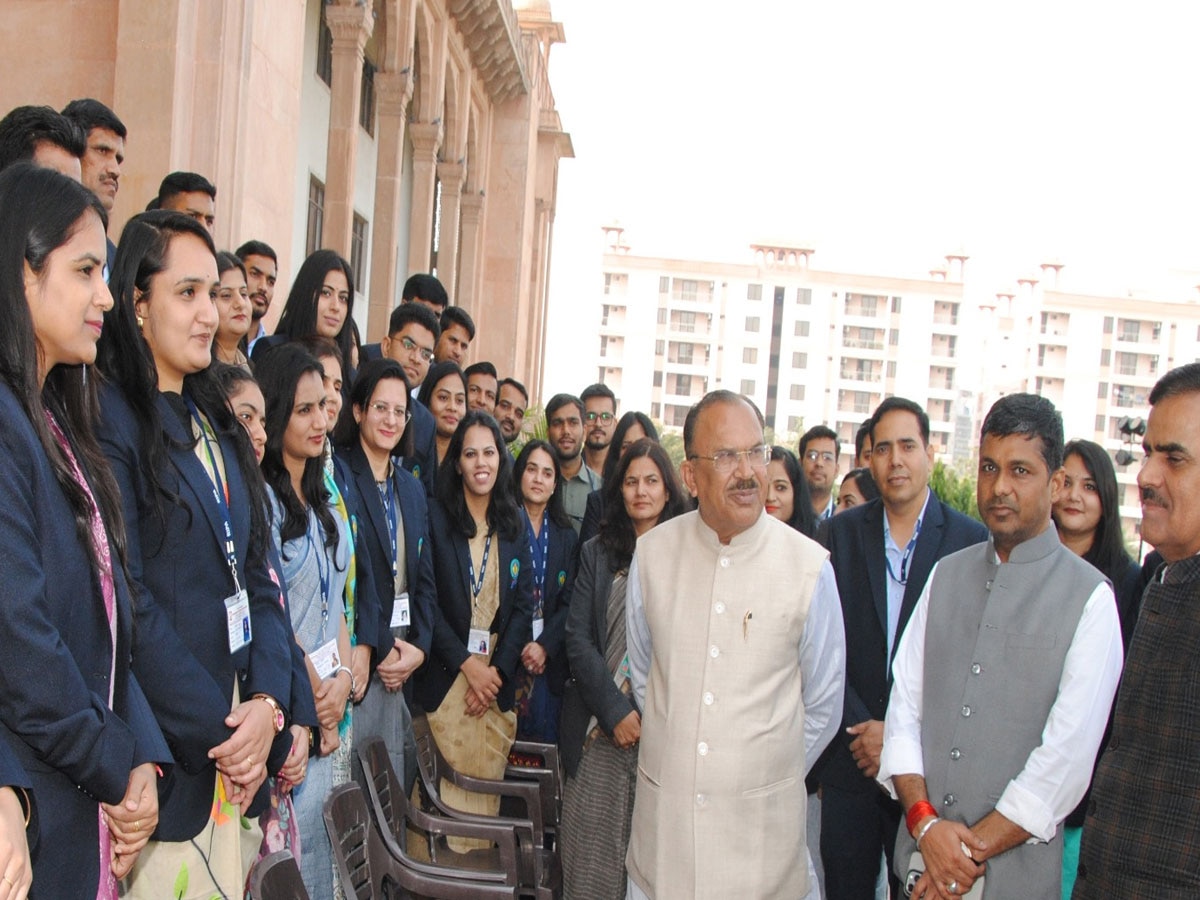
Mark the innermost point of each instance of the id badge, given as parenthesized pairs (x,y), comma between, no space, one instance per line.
(237,618)
(325,659)
(479,641)
(539,625)
(401,614)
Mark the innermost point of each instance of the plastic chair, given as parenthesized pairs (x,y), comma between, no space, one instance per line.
(510,861)
(369,872)
(277,877)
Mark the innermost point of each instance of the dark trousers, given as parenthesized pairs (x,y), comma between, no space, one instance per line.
(855,827)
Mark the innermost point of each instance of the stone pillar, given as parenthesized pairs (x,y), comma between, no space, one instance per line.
(350,27)
(451,177)
(426,138)
(471,212)
(392,93)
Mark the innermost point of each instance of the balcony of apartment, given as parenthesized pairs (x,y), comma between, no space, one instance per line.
(613,319)
(691,295)
(1137,331)
(943,346)
(688,325)
(945,315)
(1052,357)
(612,350)
(1050,388)
(1055,324)
(941,414)
(867,371)
(1138,367)
(864,306)
(941,380)
(1131,397)
(858,338)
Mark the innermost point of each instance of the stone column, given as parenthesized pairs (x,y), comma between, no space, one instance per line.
(426,138)
(451,177)
(350,27)
(392,93)
(471,214)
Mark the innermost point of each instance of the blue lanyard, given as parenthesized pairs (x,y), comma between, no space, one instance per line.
(477,586)
(219,495)
(317,547)
(908,551)
(387,495)
(539,548)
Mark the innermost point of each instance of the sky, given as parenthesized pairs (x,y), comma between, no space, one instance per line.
(886,135)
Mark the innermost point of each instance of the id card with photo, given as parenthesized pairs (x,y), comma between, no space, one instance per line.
(237,618)
(401,612)
(479,641)
(539,625)
(325,659)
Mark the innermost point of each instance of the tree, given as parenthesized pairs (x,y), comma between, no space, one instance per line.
(954,488)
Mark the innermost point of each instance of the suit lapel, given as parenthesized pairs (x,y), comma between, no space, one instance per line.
(410,515)
(364,481)
(192,471)
(925,554)
(876,562)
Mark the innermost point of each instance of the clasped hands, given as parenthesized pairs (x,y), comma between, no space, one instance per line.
(949,850)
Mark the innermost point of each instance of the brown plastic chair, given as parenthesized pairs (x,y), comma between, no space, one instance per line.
(277,877)
(369,872)
(547,772)
(510,861)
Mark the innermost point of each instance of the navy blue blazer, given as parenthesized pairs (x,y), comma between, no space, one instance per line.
(59,665)
(855,543)
(423,463)
(373,550)
(561,559)
(452,614)
(180,565)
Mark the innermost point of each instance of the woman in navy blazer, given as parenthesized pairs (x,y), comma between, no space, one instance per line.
(194,507)
(538,483)
(391,518)
(71,712)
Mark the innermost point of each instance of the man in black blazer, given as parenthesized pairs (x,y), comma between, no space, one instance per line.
(882,553)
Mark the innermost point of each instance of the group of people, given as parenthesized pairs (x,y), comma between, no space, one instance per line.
(232,555)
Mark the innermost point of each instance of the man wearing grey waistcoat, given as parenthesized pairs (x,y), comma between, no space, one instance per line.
(1003,681)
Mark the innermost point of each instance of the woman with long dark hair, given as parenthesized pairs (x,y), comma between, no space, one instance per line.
(601,724)
(194,507)
(314,546)
(787,492)
(233,311)
(1087,514)
(444,394)
(388,504)
(537,481)
(483,618)
(633,426)
(321,302)
(858,486)
(74,717)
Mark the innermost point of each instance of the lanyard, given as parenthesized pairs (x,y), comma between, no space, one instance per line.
(908,551)
(317,547)
(220,494)
(539,548)
(387,495)
(477,586)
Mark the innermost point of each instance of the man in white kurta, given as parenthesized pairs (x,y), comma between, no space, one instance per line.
(737,660)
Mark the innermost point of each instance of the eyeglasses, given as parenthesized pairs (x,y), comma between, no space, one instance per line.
(381,409)
(725,461)
(410,345)
(604,417)
(814,455)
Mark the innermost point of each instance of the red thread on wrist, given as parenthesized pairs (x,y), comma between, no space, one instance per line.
(920,810)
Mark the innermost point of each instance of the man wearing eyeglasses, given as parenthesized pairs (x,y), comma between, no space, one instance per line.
(819,451)
(882,553)
(413,333)
(736,655)
(599,423)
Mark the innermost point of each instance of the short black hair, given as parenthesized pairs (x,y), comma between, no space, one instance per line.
(816,432)
(513,383)
(1180,380)
(427,288)
(88,114)
(712,398)
(599,390)
(860,436)
(1028,415)
(558,401)
(482,368)
(891,404)
(27,126)
(256,248)
(456,315)
(182,183)
(414,312)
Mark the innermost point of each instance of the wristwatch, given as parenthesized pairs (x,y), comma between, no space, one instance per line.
(278,719)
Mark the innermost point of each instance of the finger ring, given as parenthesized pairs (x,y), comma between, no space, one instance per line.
(952,887)
(137,826)
(250,760)
(9,881)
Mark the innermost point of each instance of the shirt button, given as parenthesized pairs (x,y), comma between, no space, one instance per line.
(713,651)
(966,710)
(955,753)
(724,562)
(719,607)
(708,698)
(702,748)
(976,669)
(949,800)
